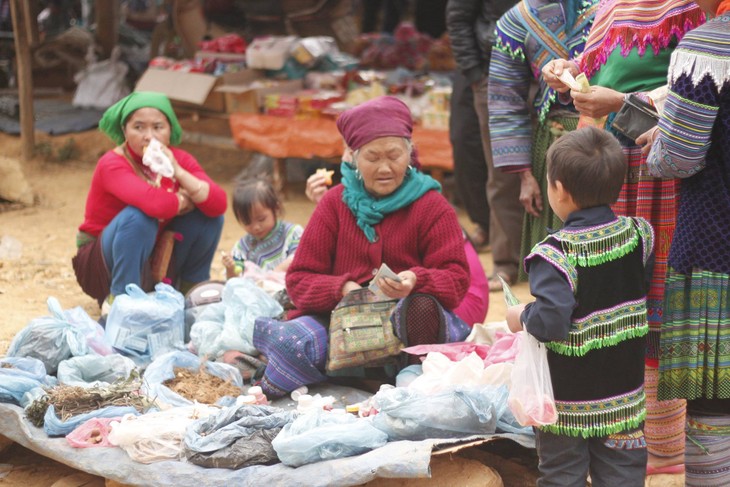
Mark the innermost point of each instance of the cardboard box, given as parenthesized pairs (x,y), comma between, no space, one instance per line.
(249,97)
(195,90)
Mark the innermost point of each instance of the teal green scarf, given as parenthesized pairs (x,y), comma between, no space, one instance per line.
(369,210)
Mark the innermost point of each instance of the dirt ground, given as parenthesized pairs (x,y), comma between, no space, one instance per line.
(47,232)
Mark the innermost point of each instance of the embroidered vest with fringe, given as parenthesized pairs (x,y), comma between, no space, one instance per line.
(598,370)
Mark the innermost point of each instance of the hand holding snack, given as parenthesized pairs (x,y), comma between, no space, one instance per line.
(327,175)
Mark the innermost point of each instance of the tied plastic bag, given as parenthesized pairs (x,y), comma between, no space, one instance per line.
(163,369)
(531,398)
(94,370)
(144,326)
(19,375)
(325,436)
(157,160)
(54,338)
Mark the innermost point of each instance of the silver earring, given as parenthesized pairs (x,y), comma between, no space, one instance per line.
(357,174)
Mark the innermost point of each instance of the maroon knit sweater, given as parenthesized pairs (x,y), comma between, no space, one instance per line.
(424,237)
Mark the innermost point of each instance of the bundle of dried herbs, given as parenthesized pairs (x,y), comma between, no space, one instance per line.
(200,386)
(70,401)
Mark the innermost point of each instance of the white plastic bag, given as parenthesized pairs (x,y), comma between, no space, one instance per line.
(101,84)
(531,398)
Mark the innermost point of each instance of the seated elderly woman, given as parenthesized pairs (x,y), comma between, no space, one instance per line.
(385,211)
(129,205)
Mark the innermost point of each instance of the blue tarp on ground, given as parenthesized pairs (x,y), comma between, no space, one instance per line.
(399,459)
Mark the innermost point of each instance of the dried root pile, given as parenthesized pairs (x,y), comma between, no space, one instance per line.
(201,386)
(70,401)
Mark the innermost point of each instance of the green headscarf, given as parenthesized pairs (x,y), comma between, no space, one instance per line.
(114,118)
(369,210)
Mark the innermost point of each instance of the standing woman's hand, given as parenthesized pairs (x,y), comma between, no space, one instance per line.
(552,70)
(530,194)
(599,102)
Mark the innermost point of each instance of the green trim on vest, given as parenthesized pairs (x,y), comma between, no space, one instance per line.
(597,246)
(603,328)
(599,418)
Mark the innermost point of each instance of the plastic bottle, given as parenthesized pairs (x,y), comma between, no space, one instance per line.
(246,399)
(258,393)
(296,393)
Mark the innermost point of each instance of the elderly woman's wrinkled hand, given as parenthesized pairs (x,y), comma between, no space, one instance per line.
(398,290)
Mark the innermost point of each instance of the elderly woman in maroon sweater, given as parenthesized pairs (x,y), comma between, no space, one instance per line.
(385,211)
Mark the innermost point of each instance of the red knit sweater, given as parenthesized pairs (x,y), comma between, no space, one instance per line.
(424,237)
(115,185)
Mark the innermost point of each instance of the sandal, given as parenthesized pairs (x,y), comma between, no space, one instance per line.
(495,285)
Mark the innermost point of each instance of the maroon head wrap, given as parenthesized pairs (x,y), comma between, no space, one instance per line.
(384,116)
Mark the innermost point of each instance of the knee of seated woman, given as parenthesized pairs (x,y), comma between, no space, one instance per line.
(133,220)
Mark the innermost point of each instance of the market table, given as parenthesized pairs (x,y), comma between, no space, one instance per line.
(282,138)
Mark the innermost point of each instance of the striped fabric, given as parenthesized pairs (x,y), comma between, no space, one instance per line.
(528,36)
(708,451)
(274,249)
(694,144)
(641,24)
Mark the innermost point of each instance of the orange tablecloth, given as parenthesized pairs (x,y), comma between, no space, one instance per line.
(287,137)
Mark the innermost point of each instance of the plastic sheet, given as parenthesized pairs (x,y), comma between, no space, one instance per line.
(403,459)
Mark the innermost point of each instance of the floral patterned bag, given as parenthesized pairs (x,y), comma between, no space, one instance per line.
(361,332)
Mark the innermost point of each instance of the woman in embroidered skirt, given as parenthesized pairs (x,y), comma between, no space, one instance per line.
(129,205)
(692,142)
(528,36)
(628,51)
(385,211)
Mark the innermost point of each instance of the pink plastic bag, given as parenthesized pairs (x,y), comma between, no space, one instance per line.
(94,432)
(531,398)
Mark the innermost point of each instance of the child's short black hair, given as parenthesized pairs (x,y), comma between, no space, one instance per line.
(250,192)
(590,164)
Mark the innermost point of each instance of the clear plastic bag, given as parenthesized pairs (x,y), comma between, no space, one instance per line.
(94,370)
(54,338)
(324,436)
(144,326)
(19,375)
(531,398)
(163,369)
(243,301)
(408,414)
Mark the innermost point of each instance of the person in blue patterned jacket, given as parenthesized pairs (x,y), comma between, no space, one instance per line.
(692,142)
(528,36)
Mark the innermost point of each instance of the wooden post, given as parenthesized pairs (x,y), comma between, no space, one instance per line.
(107,25)
(19,12)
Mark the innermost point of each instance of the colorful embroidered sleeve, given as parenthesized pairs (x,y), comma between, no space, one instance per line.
(700,67)
(293,236)
(509,83)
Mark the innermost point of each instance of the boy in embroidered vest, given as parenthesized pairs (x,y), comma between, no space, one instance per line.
(588,280)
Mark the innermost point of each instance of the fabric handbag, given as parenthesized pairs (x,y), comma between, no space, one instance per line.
(361,332)
(635,117)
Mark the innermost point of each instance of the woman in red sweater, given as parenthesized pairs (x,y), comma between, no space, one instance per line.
(385,211)
(131,202)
